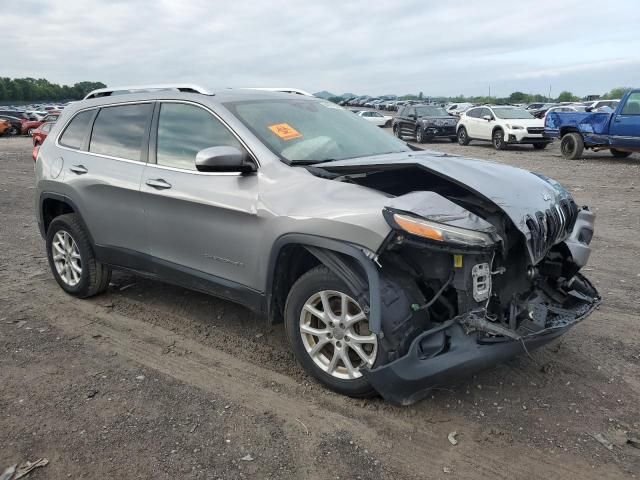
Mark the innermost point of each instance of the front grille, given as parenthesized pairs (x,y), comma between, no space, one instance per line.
(551,226)
(535,130)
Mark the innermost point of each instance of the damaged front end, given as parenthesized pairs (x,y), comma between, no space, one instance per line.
(477,297)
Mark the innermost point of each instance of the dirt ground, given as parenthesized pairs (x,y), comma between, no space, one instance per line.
(153,381)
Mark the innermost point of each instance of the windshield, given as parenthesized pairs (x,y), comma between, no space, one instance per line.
(431,112)
(307,131)
(511,113)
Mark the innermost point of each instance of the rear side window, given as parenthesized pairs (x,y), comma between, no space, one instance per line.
(184,130)
(474,112)
(120,131)
(76,131)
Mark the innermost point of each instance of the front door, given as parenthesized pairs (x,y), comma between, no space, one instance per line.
(625,126)
(201,225)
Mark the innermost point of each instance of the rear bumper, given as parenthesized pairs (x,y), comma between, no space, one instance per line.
(411,377)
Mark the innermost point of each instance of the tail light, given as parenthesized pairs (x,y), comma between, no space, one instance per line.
(36,149)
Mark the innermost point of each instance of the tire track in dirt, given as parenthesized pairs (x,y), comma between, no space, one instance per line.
(215,371)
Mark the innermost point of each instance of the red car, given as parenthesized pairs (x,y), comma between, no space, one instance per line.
(40,133)
(39,136)
(29,126)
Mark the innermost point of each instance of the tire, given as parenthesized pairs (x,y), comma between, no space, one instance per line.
(13,131)
(93,277)
(619,153)
(571,146)
(463,138)
(307,290)
(453,139)
(497,138)
(396,132)
(540,146)
(420,136)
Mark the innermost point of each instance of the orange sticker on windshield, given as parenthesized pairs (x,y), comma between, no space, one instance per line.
(285,131)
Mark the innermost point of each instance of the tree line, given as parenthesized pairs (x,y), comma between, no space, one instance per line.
(40,89)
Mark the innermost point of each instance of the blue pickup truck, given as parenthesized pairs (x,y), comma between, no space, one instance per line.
(617,131)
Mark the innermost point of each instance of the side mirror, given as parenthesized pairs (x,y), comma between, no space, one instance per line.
(224,159)
(488,118)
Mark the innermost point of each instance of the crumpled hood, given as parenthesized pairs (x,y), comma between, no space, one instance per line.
(520,194)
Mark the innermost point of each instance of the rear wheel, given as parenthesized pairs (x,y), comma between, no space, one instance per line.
(571,146)
(71,258)
(540,146)
(498,140)
(329,332)
(463,138)
(619,153)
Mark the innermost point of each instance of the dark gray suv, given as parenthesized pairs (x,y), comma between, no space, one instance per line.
(395,270)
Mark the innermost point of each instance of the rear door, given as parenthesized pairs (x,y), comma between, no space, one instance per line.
(202,225)
(104,159)
(625,126)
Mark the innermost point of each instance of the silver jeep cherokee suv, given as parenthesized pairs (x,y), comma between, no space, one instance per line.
(395,270)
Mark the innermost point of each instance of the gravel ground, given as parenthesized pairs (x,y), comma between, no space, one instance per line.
(154,381)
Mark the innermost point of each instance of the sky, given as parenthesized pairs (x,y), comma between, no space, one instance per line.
(440,48)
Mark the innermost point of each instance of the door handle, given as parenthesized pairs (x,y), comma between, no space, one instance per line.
(158,183)
(79,169)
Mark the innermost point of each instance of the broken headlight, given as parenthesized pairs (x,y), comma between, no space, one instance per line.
(441,232)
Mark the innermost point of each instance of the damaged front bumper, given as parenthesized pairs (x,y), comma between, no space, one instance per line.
(444,354)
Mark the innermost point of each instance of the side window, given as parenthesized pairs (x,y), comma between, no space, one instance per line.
(633,105)
(410,111)
(76,131)
(485,111)
(120,131)
(184,130)
(474,112)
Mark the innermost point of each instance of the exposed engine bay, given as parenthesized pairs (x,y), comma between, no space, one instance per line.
(459,269)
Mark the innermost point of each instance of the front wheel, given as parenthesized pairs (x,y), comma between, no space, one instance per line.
(619,153)
(463,137)
(420,135)
(396,131)
(572,146)
(329,332)
(498,140)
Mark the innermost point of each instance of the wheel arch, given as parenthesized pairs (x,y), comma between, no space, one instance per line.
(52,205)
(565,130)
(294,254)
(497,127)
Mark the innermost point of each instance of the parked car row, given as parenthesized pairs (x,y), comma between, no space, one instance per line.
(22,123)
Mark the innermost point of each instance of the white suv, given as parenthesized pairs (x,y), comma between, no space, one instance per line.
(502,125)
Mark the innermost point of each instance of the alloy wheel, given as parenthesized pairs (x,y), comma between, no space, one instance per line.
(335,333)
(66,258)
